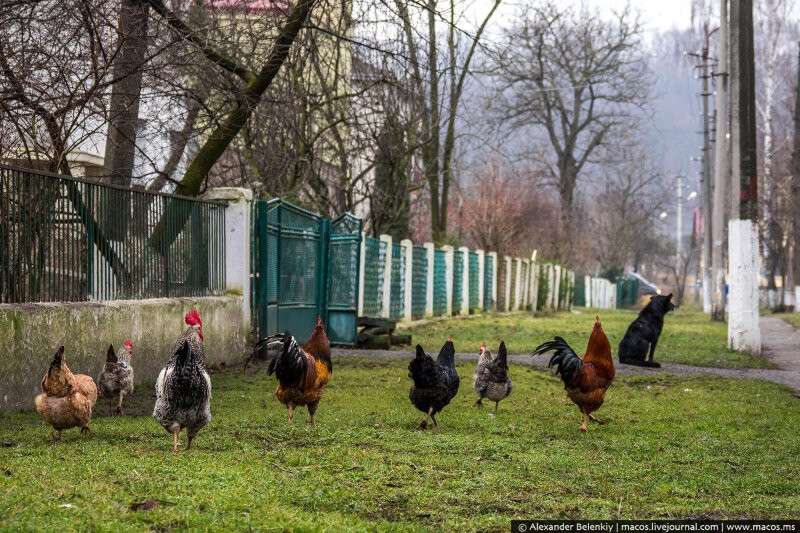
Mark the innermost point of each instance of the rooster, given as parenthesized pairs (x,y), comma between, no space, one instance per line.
(491,376)
(183,395)
(302,371)
(67,399)
(435,382)
(585,380)
(116,379)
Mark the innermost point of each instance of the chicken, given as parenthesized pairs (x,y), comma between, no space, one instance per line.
(585,380)
(193,334)
(302,371)
(183,394)
(116,379)
(435,382)
(491,376)
(67,399)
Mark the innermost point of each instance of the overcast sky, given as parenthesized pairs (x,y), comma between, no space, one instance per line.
(657,15)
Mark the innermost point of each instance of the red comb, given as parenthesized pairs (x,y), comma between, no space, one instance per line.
(319,322)
(128,344)
(192,318)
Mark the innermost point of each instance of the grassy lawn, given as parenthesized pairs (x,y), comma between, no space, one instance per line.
(689,337)
(791,318)
(672,448)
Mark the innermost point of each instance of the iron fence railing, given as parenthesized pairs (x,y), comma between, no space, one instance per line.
(69,239)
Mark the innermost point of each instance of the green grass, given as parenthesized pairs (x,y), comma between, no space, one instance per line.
(671,448)
(791,318)
(689,337)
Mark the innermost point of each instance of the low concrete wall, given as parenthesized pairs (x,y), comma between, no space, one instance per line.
(31,333)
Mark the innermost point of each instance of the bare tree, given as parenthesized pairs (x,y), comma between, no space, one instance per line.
(578,77)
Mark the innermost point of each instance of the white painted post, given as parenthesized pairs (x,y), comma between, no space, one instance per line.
(534,285)
(517,282)
(464,251)
(481,274)
(387,277)
(448,276)
(362,270)
(557,287)
(408,285)
(744,332)
(237,242)
(507,288)
(429,249)
(493,260)
(526,268)
(587,290)
(612,296)
(571,290)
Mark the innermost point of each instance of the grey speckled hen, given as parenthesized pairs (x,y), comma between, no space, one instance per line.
(116,379)
(491,379)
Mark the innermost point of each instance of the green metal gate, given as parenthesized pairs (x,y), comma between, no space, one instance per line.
(295,254)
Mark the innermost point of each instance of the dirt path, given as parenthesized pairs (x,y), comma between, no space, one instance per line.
(781,344)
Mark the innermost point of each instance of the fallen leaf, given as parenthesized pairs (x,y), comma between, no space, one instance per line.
(146,505)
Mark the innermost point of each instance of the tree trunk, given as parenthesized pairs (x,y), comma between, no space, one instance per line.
(796,185)
(124,112)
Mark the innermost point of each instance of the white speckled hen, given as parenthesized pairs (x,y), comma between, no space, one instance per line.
(491,376)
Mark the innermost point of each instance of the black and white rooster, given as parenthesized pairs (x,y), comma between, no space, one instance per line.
(491,376)
(183,395)
(435,382)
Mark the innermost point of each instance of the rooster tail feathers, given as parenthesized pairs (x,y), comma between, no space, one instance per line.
(290,365)
(502,355)
(564,358)
(447,355)
(420,352)
(111,355)
(58,358)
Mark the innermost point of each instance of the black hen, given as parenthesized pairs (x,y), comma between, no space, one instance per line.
(435,382)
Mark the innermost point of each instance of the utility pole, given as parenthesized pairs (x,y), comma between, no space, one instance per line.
(706,185)
(744,333)
(722,170)
(796,189)
(679,221)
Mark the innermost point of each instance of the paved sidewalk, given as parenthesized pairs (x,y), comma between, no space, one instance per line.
(781,344)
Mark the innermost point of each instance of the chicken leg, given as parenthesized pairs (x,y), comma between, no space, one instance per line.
(584,423)
(424,424)
(312,409)
(596,420)
(119,403)
(175,440)
(290,407)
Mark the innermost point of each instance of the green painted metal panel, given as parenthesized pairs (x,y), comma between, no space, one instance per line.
(343,279)
(458,281)
(419,280)
(579,291)
(488,276)
(439,282)
(397,300)
(474,281)
(374,260)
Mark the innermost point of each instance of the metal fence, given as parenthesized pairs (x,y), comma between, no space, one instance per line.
(68,239)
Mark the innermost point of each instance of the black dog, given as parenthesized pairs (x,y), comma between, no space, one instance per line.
(644,332)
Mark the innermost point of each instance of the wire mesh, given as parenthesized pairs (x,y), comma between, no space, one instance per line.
(488,277)
(69,239)
(474,281)
(439,283)
(419,281)
(458,281)
(397,293)
(374,261)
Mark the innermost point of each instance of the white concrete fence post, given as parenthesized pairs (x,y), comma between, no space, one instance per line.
(387,278)
(238,215)
(556,287)
(526,286)
(534,298)
(517,282)
(448,276)
(493,262)
(481,274)
(464,251)
(408,285)
(587,290)
(362,272)
(744,331)
(508,283)
(430,252)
